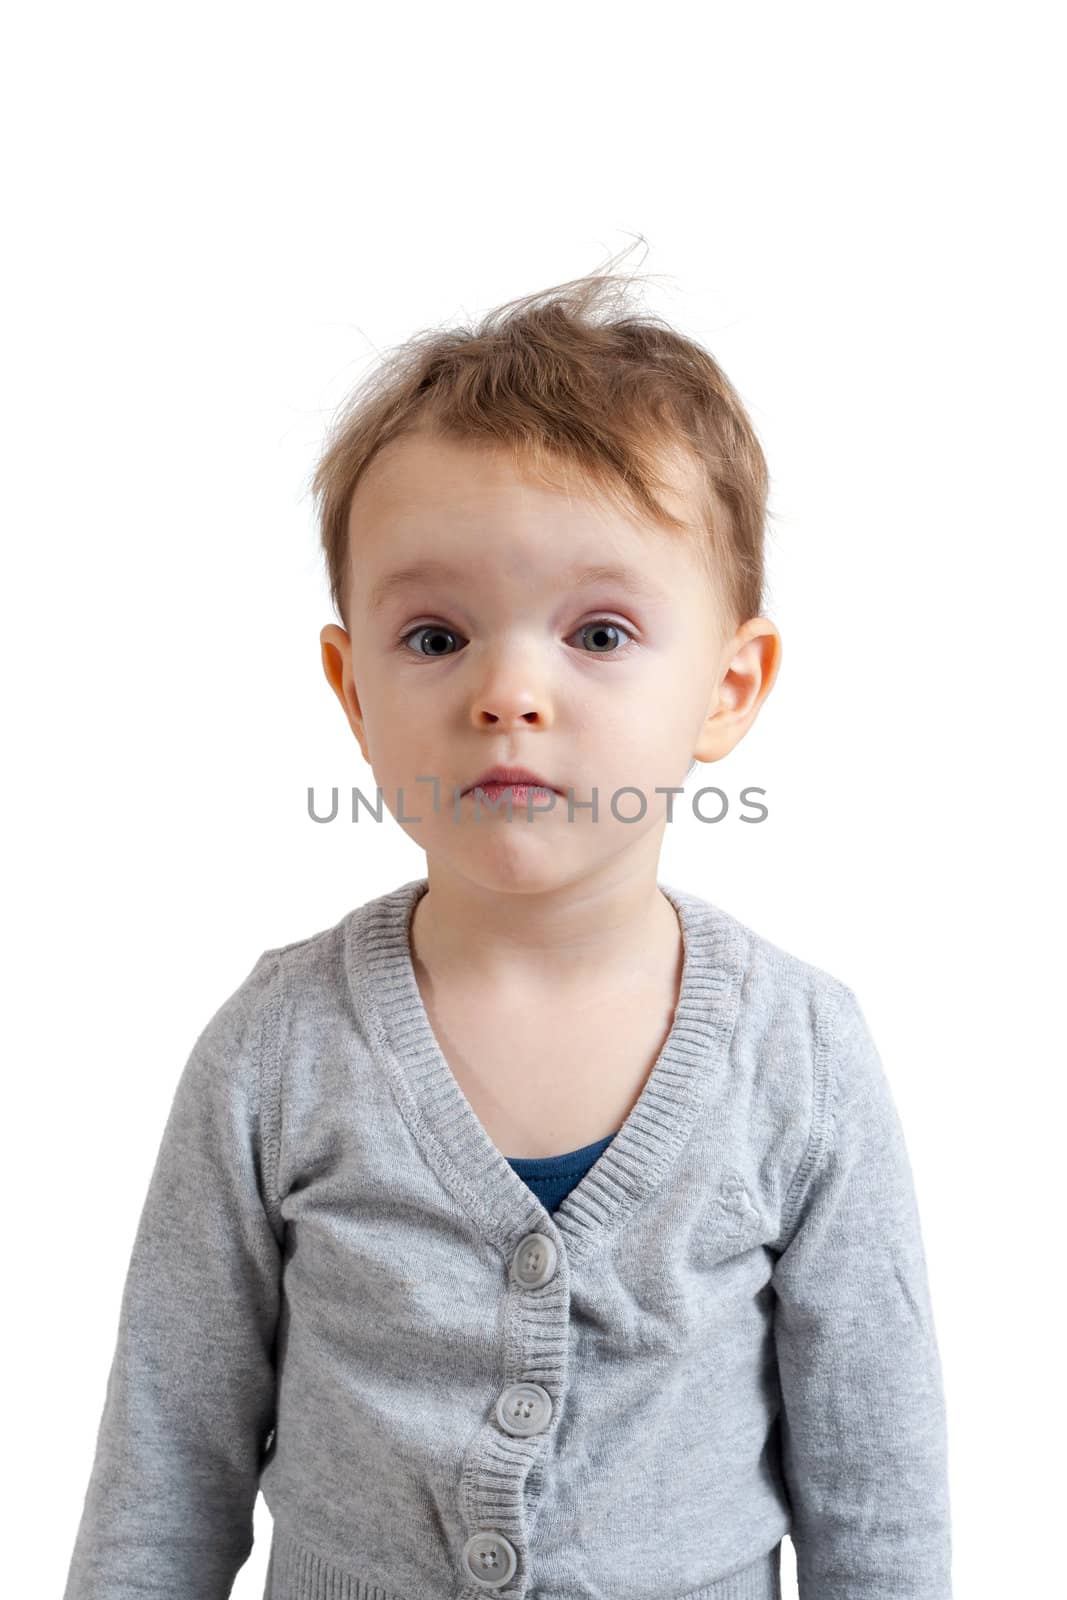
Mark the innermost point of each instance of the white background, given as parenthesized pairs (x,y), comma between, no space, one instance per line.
(216,215)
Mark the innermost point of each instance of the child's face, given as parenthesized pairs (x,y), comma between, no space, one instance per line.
(498,663)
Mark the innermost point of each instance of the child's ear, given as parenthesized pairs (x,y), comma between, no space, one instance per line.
(753,658)
(336,649)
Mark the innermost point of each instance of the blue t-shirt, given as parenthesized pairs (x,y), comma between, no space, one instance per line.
(553,1177)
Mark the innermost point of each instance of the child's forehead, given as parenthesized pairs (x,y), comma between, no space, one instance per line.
(522,558)
(394,584)
(458,478)
(444,507)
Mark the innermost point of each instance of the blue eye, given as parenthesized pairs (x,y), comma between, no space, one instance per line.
(603,629)
(604,632)
(432,628)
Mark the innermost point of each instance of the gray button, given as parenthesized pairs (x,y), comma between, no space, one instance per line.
(534,1262)
(490,1559)
(524,1408)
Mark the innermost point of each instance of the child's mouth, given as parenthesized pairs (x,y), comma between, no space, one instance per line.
(519,791)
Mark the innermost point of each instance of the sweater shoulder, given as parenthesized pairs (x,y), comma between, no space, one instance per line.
(777,985)
(319,980)
(790,1012)
(811,1013)
(283,978)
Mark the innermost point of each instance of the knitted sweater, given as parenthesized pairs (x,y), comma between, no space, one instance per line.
(342,1293)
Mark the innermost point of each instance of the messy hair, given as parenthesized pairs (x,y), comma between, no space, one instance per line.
(570,378)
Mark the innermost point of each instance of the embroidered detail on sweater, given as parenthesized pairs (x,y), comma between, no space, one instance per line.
(735,1206)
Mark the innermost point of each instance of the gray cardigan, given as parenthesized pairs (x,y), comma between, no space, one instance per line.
(341,1293)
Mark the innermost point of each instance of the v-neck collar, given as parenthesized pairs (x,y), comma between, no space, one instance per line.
(381,972)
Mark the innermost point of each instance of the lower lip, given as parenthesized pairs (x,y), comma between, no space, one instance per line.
(518,791)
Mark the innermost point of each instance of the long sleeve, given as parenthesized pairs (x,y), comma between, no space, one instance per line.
(864,1434)
(191,1392)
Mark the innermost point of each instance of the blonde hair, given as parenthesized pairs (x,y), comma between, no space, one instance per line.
(569,378)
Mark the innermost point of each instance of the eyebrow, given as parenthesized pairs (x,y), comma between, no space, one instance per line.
(435,570)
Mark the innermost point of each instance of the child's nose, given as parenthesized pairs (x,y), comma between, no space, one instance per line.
(514,691)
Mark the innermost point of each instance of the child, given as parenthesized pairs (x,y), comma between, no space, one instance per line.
(539,1229)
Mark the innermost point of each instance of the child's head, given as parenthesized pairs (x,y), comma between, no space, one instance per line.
(463,488)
